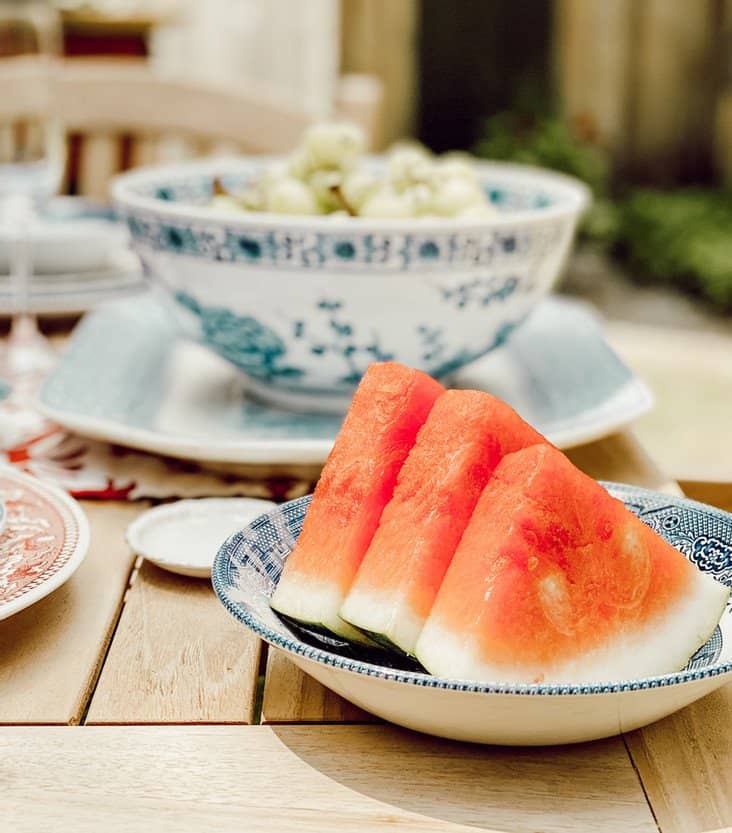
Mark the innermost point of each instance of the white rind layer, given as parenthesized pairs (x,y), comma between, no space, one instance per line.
(313,602)
(661,647)
(389,616)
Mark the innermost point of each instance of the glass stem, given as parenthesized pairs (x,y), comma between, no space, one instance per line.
(27,352)
(20,212)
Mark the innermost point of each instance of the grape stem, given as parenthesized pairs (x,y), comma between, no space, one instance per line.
(218,189)
(341,200)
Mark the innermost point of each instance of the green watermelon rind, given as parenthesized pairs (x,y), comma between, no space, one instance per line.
(292,601)
(384,642)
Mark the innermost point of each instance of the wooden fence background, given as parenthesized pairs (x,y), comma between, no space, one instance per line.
(651,78)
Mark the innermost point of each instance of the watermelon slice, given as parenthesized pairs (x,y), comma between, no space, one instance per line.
(388,409)
(554,580)
(457,449)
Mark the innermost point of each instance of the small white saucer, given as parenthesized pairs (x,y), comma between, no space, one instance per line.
(185,536)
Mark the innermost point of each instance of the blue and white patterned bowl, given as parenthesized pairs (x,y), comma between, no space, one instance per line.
(248,566)
(304,304)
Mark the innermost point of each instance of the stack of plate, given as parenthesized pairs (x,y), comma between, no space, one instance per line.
(80,258)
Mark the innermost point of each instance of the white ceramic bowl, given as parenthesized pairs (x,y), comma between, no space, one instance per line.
(304,304)
(248,566)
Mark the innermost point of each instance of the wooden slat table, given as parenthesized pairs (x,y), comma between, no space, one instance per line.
(188,723)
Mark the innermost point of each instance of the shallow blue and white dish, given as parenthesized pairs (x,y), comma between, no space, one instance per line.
(303,305)
(3,517)
(248,566)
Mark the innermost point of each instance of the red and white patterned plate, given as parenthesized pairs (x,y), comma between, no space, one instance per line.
(45,538)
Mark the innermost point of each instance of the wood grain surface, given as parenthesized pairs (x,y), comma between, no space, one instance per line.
(295,779)
(685,763)
(292,696)
(50,653)
(690,375)
(177,657)
(716,494)
(621,457)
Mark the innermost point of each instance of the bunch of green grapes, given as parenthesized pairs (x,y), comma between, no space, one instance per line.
(328,174)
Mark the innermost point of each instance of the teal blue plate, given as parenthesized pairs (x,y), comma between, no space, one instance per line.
(128,378)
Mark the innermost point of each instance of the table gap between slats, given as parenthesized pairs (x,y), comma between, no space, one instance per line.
(177,657)
(136,563)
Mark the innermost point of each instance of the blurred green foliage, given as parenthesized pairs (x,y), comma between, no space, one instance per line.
(544,141)
(681,237)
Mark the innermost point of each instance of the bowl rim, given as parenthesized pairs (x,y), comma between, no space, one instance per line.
(423,680)
(576,199)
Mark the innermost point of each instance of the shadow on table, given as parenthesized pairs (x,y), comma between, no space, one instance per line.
(552,790)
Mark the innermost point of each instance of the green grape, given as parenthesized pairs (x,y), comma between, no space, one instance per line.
(477,211)
(326,175)
(333,145)
(299,165)
(290,196)
(408,167)
(273,173)
(422,195)
(357,186)
(252,199)
(454,168)
(226,204)
(386,203)
(323,184)
(455,195)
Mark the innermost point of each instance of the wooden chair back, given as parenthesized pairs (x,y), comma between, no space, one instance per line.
(121,114)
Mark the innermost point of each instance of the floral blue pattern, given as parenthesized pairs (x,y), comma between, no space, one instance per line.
(339,250)
(342,342)
(242,340)
(703,540)
(435,353)
(248,566)
(482,290)
(260,352)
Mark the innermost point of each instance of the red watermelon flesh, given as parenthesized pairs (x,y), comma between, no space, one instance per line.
(389,407)
(457,449)
(554,580)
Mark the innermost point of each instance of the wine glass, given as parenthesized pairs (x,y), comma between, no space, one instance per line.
(31,163)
